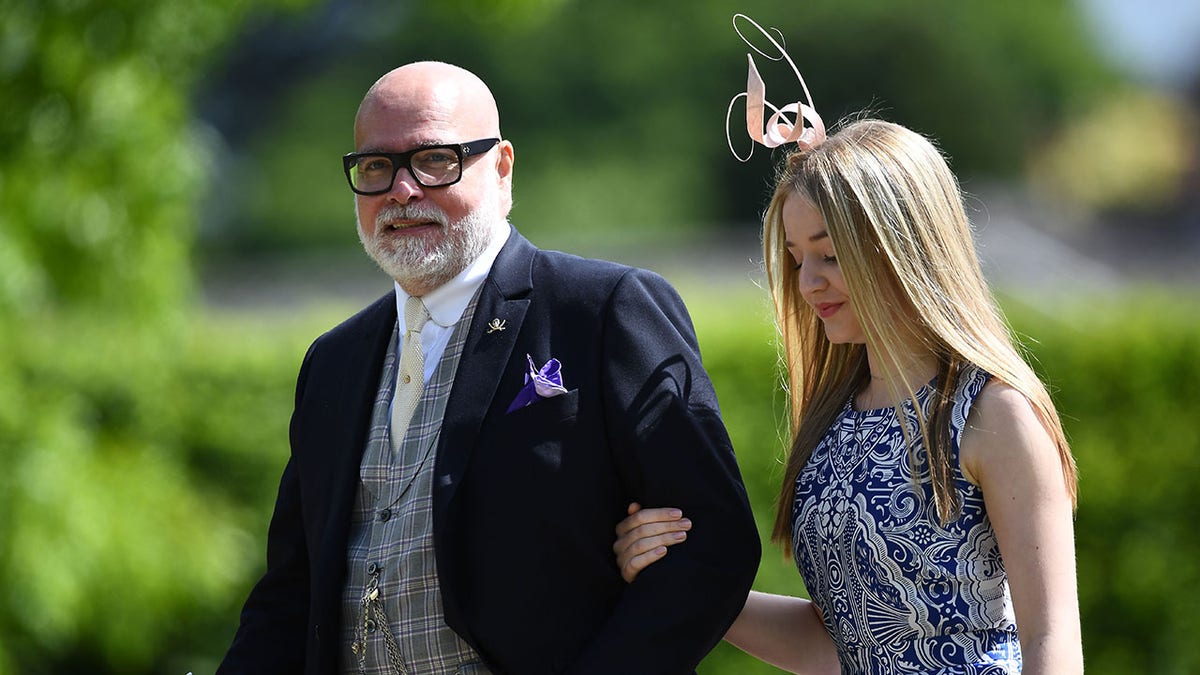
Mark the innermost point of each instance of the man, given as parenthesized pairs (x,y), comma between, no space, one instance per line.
(463,448)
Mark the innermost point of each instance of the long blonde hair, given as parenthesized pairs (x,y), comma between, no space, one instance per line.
(894,213)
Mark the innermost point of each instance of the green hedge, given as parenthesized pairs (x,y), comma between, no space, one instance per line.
(140,469)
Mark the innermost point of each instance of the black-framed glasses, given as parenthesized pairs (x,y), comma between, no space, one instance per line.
(373,173)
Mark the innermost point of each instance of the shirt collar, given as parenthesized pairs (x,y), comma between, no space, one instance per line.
(447,302)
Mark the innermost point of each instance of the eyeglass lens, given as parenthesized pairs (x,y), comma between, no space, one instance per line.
(431,167)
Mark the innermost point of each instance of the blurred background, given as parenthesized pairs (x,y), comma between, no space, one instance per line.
(175,229)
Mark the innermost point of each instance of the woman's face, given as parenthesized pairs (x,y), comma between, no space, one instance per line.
(820,278)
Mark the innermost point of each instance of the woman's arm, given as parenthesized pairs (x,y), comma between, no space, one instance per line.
(784,631)
(643,537)
(1008,453)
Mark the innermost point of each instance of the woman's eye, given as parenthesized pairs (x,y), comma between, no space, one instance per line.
(827,259)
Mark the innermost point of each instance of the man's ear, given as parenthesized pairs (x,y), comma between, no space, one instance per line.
(504,169)
(504,165)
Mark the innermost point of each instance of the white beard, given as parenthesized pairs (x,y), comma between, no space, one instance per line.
(416,263)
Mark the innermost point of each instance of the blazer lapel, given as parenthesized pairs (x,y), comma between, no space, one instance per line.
(504,297)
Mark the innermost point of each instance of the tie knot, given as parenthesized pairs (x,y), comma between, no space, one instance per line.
(415,315)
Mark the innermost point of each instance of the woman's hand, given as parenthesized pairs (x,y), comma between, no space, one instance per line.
(644,536)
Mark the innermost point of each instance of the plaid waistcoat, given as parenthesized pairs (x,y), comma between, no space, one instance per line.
(391,536)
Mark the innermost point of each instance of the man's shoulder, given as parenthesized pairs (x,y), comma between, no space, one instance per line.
(549,260)
(577,274)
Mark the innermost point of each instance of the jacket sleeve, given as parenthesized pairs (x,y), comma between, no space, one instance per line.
(667,433)
(274,620)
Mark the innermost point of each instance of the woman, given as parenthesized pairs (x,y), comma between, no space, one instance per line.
(929,490)
(929,536)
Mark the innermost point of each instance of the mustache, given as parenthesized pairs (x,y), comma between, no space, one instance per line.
(421,211)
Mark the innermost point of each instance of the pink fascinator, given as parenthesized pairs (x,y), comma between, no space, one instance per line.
(779,128)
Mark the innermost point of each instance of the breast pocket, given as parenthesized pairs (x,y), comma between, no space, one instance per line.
(539,432)
(547,410)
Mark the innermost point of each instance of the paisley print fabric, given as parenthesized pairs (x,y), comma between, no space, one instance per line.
(899,591)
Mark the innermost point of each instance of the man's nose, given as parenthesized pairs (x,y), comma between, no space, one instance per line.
(404,188)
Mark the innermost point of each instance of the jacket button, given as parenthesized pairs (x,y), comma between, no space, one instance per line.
(385,515)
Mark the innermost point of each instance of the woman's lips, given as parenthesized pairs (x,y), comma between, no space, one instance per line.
(828,309)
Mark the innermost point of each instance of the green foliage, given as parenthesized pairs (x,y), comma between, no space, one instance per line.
(616,109)
(1080,168)
(113,546)
(99,163)
(127,522)
(1127,376)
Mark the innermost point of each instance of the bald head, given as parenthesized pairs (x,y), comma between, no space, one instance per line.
(424,235)
(433,94)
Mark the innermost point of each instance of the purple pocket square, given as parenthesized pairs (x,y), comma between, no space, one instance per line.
(545,382)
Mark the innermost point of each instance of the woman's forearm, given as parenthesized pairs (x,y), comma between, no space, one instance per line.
(1050,654)
(786,632)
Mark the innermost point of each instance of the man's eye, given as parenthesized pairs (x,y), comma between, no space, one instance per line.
(435,158)
(373,165)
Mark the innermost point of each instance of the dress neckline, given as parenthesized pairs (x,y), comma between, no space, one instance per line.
(921,393)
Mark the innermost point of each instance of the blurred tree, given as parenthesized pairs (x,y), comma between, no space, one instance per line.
(1131,154)
(100,163)
(110,536)
(617,108)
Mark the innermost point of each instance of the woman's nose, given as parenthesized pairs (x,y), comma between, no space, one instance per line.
(811,278)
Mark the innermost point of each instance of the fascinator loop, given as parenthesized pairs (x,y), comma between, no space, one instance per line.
(779,127)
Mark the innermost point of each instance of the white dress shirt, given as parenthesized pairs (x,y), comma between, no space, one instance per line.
(447,303)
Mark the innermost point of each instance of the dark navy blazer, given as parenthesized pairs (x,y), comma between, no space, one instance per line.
(524,503)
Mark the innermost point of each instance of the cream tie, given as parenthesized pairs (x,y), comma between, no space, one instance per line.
(410,380)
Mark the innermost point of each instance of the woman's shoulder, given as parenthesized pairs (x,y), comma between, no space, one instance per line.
(1001,403)
(1002,427)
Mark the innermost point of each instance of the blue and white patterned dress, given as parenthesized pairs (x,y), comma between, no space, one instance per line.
(899,591)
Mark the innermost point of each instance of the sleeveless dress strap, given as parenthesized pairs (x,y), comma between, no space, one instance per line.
(970,383)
